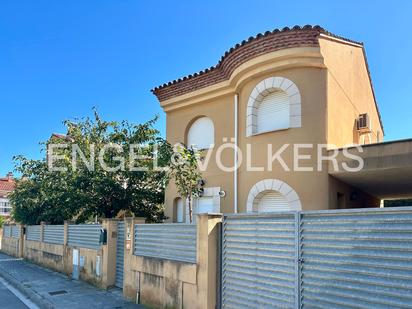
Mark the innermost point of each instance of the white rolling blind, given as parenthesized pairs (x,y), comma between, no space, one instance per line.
(201,134)
(179,210)
(273,201)
(273,112)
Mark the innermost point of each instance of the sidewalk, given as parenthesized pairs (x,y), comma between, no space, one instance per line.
(49,289)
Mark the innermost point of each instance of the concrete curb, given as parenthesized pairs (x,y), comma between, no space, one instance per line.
(37,299)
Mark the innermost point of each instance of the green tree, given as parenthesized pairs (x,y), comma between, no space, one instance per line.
(398,203)
(88,186)
(184,172)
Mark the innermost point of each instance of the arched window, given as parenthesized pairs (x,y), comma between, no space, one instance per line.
(271,195)
(179,210)
(201,133)
(274,104)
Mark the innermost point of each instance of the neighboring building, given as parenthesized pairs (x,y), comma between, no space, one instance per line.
(290,86)
(6,187)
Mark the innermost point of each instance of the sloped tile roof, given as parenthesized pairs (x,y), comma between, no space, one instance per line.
(7,186)
(260,44)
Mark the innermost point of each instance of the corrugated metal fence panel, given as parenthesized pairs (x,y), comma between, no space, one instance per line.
(166,241)
(84,235)
(54,234)
(15,231)
(120,254)
(33,232)
(354,259)
(7,231)
(258,264)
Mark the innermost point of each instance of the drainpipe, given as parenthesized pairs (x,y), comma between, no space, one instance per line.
(235,153)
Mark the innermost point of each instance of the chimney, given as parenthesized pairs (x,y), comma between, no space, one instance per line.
(9,176)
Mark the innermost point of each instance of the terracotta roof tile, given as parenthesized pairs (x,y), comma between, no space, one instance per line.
(7,185)
(255,46)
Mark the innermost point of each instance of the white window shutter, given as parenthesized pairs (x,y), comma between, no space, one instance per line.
(273,201)
(201,134)
(179,210)
(273,112)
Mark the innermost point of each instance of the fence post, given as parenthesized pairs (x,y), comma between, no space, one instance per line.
(67,265)
(66,232)
(109,253)
(42,224)
(208,230)
(21,241)
(130,277)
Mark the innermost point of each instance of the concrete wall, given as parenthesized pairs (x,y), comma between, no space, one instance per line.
(162,283)
(48,255)
(59,257)
(13,246)
(87,271)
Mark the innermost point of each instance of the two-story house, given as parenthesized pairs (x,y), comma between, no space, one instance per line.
(7,185)
(301,86)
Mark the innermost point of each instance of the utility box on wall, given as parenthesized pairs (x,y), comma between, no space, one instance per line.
(103,237)
(98,265)
(75,273)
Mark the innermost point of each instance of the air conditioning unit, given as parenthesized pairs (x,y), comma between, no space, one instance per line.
(363,123)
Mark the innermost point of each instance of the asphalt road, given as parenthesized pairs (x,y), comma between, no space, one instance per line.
(8,299)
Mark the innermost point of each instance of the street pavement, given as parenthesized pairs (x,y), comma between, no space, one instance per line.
(8,299)
(41,287)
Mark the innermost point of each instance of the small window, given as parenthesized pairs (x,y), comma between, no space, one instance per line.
(179,210)
(201,134)
(273,112)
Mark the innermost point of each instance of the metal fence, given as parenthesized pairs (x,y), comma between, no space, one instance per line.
(7,231)
(33,232)
(53,234)
(342,259)
(166,241)
(84,235)
(120,254)
(15,231)
(259,254)
(359,259)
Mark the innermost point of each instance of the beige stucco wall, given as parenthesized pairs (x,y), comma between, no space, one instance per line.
(60,257)
(88,271)
(163,283)
(11,246)
(334,87)
(221,113)
(312,85)
(349,93)
(45,254)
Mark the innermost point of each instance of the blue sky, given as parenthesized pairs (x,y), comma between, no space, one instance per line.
(58,59)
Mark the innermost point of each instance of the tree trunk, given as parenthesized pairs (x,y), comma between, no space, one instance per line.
(190,209)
